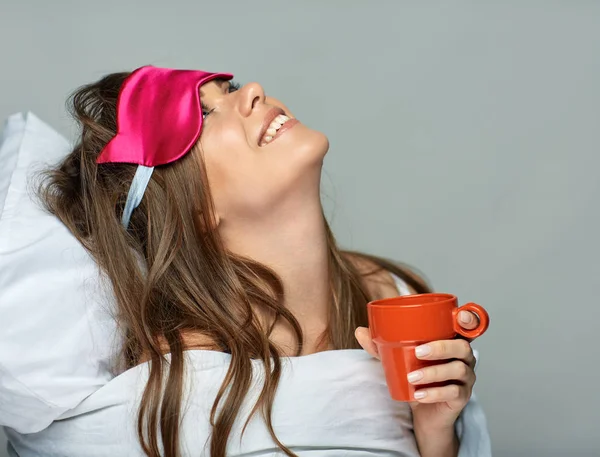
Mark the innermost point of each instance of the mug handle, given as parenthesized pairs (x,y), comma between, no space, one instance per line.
(484,320)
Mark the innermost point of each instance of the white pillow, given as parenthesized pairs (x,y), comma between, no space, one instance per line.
(57,335)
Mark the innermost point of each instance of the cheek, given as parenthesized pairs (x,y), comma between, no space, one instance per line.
(223,135)
(224,142)
(231,166)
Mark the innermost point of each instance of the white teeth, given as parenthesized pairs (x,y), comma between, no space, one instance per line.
(273,127)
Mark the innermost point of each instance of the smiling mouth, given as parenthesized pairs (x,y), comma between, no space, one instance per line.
(276,122)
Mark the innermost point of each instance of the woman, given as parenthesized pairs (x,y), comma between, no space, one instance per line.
(242,318)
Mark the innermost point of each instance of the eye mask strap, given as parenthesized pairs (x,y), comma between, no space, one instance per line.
(136,192)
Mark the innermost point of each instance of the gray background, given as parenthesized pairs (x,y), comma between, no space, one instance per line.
(464,141)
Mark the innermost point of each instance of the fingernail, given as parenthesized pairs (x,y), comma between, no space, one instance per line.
(420,394)
(415,376)
(464,317)
(423,350)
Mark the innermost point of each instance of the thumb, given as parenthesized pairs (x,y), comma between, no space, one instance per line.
(468,320)
(363,336)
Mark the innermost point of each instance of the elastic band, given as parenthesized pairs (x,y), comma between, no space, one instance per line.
(136,192)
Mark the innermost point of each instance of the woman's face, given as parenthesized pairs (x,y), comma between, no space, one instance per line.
(255,159)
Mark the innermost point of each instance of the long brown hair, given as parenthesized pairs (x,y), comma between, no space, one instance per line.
(171,275)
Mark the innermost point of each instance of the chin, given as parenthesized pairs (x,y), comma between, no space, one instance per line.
(324,142)
(317,145)
(307,146)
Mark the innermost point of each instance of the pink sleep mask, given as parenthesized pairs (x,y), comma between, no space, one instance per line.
(159,116)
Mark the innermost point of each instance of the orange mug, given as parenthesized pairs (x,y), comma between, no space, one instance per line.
(399,324)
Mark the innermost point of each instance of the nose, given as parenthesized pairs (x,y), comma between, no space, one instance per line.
(251,95)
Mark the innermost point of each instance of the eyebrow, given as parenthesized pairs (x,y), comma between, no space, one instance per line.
(219,81)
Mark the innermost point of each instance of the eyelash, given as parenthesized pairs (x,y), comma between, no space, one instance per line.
(233,86)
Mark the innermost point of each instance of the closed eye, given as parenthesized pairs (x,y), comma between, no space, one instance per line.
(232,86)
(205,110)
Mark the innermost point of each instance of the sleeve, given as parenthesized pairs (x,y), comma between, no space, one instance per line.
(471,426)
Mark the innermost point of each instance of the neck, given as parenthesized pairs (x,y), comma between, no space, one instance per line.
(292,242)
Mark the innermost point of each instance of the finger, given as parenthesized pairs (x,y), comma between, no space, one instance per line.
(363,337)
(446,349)
(468,320)
(450,393)
(456,370)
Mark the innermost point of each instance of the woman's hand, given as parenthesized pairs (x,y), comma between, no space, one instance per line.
(437,408)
